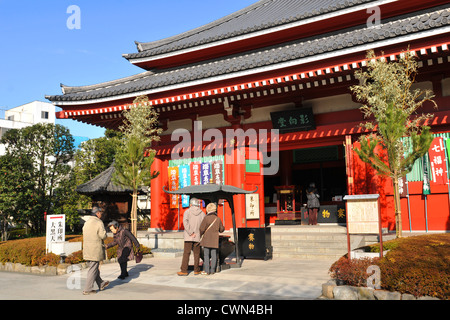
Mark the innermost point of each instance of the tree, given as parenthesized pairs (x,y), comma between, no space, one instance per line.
(134,158)
(92,158)
(15,196)
(386,92)
(41,155)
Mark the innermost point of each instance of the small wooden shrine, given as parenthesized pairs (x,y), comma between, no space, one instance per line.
(114,199)
(288,205)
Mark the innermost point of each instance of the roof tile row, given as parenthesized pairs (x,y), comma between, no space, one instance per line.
(333,42)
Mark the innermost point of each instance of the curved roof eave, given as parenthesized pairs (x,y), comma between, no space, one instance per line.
(248,23)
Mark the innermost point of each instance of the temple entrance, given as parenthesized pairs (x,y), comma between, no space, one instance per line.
(324,166)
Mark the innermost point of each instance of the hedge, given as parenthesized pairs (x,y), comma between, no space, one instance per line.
(31,252)
(418,265)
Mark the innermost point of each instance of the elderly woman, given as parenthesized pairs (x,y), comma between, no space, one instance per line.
(124,239)
(313,203)
(210,228)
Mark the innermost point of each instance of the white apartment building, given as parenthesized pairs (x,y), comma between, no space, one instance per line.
(26,115)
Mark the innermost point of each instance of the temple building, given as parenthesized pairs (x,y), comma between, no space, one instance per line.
(261,98)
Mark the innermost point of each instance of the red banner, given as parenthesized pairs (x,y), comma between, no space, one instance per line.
(173,185)
(438,174)
(195,173)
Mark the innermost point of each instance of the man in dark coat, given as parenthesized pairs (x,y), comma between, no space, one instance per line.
(124,239)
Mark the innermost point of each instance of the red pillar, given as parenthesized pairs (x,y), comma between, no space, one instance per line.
(156,196)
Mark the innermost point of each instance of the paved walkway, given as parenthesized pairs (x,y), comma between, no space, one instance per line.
(155,279)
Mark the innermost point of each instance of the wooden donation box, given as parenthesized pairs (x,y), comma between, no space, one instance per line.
(255,243)
(288,210)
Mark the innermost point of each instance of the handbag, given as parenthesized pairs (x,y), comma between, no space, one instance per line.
(138,256)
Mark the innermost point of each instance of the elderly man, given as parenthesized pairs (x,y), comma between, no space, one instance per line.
(192,219)
(94,250)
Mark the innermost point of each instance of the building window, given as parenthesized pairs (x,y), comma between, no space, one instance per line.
(44,114)
(11,118)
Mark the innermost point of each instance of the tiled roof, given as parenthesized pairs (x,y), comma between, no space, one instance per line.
(262,15)
(392,29)
(102,184)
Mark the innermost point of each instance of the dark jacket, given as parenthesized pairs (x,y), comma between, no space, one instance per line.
(211,236)
(124,239)
(313,198)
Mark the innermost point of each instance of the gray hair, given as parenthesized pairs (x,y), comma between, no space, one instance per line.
(95,209)
(194,202)
(114,224)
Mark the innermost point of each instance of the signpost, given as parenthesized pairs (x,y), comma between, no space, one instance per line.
(56,230)
(363,217)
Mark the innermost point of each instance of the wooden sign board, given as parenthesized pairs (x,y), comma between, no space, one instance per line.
(301,119)
(363,214)
(252,206)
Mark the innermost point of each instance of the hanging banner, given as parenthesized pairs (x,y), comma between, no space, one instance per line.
(437,161)
(402,188)
(426,181)
(185,180)
(195,173)
(217,171)
(205,172)
(173,185)
(447,143)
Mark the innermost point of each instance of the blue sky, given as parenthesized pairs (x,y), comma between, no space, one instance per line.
(38,51)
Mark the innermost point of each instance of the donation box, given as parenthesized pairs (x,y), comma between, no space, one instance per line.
(255,243)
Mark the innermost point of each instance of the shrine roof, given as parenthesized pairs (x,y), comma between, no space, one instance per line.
(402,29)
(103,184)
(261,16)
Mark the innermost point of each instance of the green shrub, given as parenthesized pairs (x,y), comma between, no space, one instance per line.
(352,272)
(75,257)
(31,252)
(418,265)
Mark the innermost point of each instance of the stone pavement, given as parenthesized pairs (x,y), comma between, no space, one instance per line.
(155,278)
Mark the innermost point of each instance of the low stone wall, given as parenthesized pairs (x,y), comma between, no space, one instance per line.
(46,270)
(331,290)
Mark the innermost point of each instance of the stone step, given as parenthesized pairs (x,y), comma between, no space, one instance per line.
(306,229)
(309,242)
(309,237)
(307,256)
(288,241)
(296,249)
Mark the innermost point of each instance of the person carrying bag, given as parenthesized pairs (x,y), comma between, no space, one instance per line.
(210,228)
(125,240)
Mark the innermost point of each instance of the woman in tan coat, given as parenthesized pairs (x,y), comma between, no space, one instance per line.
(210,228)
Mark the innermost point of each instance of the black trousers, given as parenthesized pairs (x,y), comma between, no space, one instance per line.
(123,269)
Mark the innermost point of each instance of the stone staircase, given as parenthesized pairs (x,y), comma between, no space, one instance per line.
(288,241)
(309,242)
